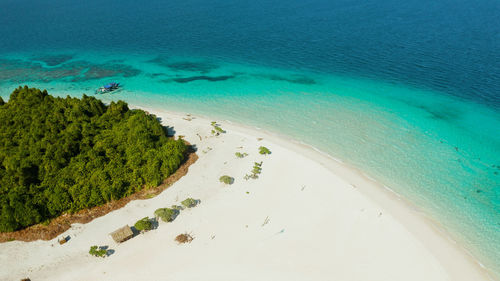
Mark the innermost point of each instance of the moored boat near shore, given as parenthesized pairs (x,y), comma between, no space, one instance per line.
(110,87)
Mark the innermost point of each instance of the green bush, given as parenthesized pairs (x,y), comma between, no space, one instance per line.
(217,130)
(66,154)
(189,203)
(97,251)
(264,150)
(166,214)
(240,155)
(176,207)
(257,169)
(226,179)
(251,176)
(144,224)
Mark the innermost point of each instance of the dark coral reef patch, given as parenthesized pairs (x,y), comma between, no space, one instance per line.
(443,112)
(296,79)
(99,71)
(202,77)
(201,67)
(19,71)
(53,60)
(189,66)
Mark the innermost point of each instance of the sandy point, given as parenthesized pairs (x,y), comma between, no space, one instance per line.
(305,217)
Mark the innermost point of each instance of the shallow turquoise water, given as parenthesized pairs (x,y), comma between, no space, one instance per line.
(406,91)
(438,151)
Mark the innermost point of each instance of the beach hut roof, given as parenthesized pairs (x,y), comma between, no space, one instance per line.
(122,234)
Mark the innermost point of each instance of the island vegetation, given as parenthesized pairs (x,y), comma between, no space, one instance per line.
(189,203)
(67,154)
(240,155)
(144,224)
(264,150)
(226,179)
(166,214)
(256,170)
(217,130)
(169,214)
(98,251)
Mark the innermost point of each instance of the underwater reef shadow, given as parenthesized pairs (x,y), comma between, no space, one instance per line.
(20,71)
(443,112)
(52,59)
(295,79)
(202,67)
(198,78)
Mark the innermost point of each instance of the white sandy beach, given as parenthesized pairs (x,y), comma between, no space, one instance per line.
(307,217)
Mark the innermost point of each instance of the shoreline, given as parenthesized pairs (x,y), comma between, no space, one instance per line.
(397,236)
(387,197)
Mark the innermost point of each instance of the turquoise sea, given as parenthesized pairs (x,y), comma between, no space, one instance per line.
(408,93)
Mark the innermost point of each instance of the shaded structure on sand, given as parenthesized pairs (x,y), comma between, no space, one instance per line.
(122,234)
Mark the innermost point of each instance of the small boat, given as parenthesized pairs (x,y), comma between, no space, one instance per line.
(108,88)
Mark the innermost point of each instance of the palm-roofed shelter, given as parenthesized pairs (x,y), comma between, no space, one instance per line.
(122,234)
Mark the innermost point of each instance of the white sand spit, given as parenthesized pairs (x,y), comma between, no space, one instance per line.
(307,217)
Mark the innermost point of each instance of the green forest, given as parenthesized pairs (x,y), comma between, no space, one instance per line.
(66,154)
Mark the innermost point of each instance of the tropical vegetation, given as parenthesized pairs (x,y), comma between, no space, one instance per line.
(240,155)
(189,202)
(66,154)
(217,130)
(166,214)
(97,251)
(256,170)
(144,224)
(264,150)
(226,179)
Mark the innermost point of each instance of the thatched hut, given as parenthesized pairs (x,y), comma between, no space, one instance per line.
(122,234)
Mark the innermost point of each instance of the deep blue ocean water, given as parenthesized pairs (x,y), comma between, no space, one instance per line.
(406,91)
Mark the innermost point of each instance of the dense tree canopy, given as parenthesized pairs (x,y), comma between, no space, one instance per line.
(67,154)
